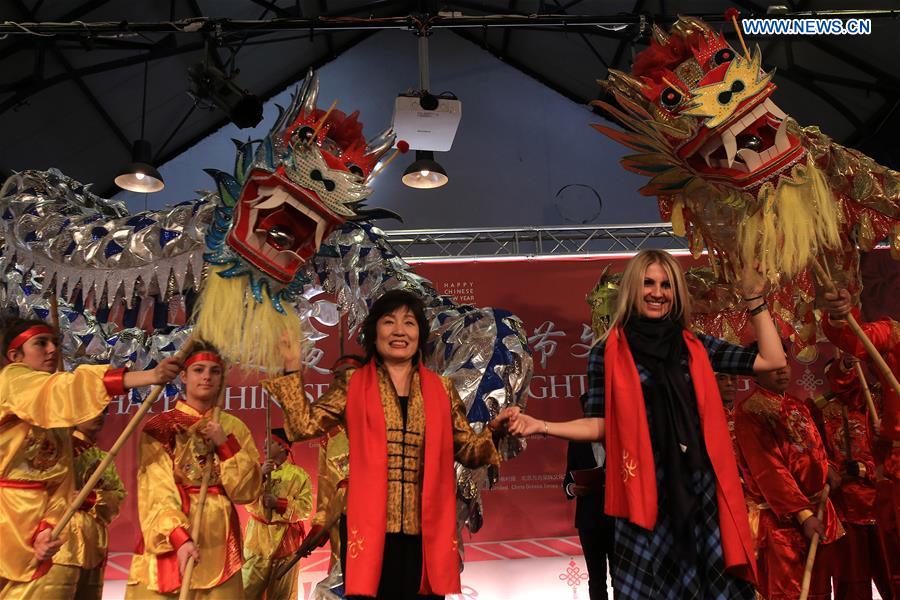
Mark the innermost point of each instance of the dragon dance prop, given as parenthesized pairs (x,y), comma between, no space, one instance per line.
(742,180)
(285,243)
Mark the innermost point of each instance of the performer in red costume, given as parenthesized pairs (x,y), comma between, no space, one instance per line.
(885,336)
(681,527)
(848,442)
(785,470)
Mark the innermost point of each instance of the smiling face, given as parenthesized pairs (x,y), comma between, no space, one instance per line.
(202,380)
(657,295)
(397,336)
(39,352)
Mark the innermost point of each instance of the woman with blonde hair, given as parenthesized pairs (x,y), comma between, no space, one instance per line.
(672,484)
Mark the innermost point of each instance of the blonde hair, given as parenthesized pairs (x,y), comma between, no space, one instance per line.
(631,289)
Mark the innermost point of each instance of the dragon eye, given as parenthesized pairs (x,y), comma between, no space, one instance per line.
(722,56)
(303,133)
(670,97)
(356,170)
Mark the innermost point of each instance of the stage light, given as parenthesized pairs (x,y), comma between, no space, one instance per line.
(140,175)
(425,173)
(207,83)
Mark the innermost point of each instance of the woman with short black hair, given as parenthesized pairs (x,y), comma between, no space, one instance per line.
(406,425)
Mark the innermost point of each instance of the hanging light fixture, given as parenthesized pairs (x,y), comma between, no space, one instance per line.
(425,173)
(140,175)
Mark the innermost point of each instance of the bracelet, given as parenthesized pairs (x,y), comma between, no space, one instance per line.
(755,311)
(753,298)
(546,429)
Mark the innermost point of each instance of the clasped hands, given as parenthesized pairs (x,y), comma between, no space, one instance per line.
(511,420)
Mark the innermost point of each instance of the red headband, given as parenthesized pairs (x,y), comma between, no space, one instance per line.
(198,356)
(282,443)
(26,335)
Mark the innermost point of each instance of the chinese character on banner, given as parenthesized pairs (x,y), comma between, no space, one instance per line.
(541,341)
(587,342)
(312,360)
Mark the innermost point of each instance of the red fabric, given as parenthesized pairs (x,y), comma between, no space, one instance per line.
(114,381)
(89,502)
(44,565)
(21,484)
(783,459)
(631,472)
(854,501)
(367,501)
(861,561)
(179,537)
(782,558)
(281,505)
(885,336)
(198,356)
(229,448)
(291,540)
(26,335)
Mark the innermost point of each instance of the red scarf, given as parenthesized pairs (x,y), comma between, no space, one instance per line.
(367,493)
(630,469)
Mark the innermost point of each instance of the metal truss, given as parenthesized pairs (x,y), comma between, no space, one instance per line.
(569,240)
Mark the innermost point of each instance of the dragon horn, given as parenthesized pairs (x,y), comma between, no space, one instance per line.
(661,37)
(377,146)
(310,92)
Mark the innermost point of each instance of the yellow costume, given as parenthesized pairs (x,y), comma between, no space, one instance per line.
(267,544)
(334,467)
(78,566)
(173,453)
(36,478)
(405,442)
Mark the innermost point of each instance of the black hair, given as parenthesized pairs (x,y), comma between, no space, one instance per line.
(387,304)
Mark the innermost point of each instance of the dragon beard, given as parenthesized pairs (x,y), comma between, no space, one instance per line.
(245,331)
(794,221)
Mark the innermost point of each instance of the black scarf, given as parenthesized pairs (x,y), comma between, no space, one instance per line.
(659,347)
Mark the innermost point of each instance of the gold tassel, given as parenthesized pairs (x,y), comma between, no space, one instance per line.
(245,331)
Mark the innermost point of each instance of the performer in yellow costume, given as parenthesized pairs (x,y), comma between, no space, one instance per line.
(271,542)
(37,408)
(78,566)
(174,447)
(334,467)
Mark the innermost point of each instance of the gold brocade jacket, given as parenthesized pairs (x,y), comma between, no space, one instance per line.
(303,420)
(173,454)
(282,535)
(36,411)
(334,467)
(87,535)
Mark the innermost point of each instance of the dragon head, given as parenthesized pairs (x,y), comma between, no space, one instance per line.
(304,180)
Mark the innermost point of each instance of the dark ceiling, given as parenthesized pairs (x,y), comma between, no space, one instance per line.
(73,72)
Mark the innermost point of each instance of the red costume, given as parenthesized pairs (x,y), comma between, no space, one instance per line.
(785,468)
(885,336)
(848,442)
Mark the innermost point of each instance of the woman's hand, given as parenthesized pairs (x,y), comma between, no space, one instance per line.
(837,304)
(522,425)
(290,352)
(753,284)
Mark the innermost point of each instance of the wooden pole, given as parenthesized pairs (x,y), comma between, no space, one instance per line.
(197,521)
(867,394)
(54,320)
(120,441)
(310,543)
(267,484)
(813,547)
(857,330)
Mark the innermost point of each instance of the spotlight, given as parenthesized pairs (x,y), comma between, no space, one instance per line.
(209,83)
(425,173)
(140,176)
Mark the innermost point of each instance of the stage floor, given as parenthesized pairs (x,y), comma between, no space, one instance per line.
(534,569)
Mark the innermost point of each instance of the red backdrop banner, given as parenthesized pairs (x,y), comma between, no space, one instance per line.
(549,296)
